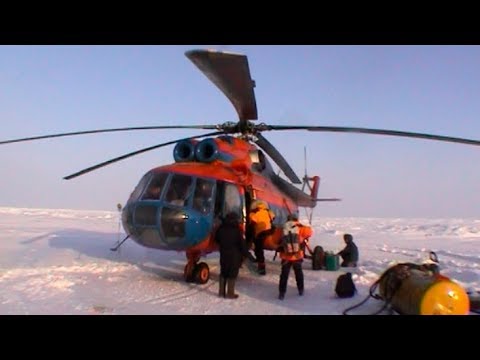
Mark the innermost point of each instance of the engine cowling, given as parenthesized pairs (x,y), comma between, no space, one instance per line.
(185,151)
(207,151)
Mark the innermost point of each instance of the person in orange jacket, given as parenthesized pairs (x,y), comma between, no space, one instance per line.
(261,219)
(291,252)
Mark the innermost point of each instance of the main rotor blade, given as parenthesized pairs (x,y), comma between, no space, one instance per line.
(231,74)
(328,199)
(340,129)
(201,127)
(277,157)
(108,162)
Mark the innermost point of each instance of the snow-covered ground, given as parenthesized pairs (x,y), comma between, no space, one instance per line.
(59,262)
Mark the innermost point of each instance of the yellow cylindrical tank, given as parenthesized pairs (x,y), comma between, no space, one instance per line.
(424,293)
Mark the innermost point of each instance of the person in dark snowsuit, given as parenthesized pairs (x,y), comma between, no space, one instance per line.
(350,253)
(232,248)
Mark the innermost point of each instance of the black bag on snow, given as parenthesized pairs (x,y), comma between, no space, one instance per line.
(345,286)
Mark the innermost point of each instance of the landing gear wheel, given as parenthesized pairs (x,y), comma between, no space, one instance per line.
(188,272)
(318,258)
(201,273)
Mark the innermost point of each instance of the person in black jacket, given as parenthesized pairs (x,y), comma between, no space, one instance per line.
(232,248)
(350,253)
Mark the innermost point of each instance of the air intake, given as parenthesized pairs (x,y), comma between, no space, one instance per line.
(184,151)
(206,151)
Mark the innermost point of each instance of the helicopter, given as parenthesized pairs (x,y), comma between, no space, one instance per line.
(178,206)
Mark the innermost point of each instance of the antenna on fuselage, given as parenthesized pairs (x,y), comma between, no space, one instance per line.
(305,177)
(305,182)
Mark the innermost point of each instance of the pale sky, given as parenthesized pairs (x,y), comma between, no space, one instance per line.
(431,89)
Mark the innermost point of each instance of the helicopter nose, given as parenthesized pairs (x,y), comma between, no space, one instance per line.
(157,225)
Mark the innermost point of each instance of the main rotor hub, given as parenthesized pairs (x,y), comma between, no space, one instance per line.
(242,127)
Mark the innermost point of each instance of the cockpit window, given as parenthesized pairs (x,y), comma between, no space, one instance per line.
(203,197)
(140,186)
(154,189)
(179,190)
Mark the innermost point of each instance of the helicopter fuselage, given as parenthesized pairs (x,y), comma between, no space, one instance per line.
(179,206)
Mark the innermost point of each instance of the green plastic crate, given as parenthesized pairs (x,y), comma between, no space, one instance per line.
(332,262)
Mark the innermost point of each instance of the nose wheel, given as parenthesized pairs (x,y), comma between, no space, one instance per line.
(201,273)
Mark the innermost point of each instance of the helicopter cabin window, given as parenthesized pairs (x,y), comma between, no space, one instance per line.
(284,215)
(179,190)
(232,200)
(203,196)
(140,186)
(155,187)
(280,215)
(258,159)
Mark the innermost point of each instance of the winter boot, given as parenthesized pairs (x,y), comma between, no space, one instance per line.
(231,289)
(261,268)
(221,286)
